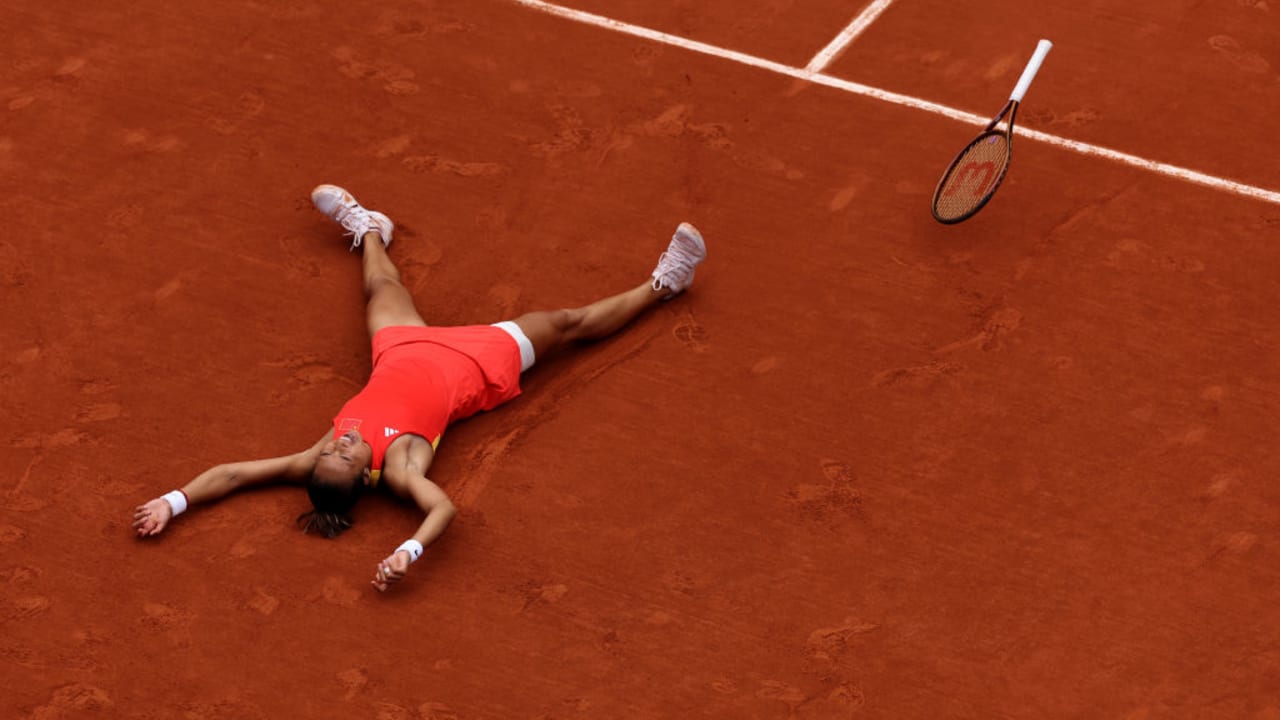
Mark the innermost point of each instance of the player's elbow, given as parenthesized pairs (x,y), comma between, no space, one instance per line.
(443,511)
(223,478)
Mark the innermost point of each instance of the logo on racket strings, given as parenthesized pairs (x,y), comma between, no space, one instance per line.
(969,170)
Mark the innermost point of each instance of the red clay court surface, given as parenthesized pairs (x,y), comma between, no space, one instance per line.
(870,466)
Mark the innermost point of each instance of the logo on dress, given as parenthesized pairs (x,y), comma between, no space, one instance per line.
(388,432)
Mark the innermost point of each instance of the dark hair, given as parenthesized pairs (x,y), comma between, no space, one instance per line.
(332,503)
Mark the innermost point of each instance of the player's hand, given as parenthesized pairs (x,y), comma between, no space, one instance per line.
(151,518)
(391,569)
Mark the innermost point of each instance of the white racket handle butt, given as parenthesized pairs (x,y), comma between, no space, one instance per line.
(1032,68)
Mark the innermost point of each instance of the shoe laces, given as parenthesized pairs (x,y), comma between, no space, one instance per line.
(677,258)
(356,220)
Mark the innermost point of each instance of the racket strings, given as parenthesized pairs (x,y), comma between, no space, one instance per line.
(973,177)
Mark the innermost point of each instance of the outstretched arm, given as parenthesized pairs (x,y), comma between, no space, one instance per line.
(440,511)
(152,517)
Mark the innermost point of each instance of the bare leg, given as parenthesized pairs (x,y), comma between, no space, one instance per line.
(550,330)
(389,302)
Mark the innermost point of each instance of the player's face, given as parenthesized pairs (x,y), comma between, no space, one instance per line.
(347,455)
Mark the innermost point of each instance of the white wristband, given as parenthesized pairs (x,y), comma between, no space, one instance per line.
(177,500)
(411,546)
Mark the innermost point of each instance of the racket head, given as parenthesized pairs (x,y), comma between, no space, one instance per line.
(973,177)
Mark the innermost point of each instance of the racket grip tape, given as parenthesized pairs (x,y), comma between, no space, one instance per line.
(1032,68)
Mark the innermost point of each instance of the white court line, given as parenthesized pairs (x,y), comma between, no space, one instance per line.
(837,46)
(1174,171)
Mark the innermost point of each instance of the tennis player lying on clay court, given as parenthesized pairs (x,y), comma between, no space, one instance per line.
(423,379)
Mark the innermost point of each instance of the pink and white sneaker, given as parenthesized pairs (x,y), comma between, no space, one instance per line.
(341,206)
(676,265)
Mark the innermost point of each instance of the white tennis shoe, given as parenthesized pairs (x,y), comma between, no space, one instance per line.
(341,206)
(676,265)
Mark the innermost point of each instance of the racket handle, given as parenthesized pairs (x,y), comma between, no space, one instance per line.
(1029,73)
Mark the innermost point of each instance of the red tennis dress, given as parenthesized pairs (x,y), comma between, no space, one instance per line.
(427,377)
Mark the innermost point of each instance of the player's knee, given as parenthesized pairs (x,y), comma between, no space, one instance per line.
(381,282)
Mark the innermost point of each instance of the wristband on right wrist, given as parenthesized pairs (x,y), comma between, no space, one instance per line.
(413,547)
(177,500)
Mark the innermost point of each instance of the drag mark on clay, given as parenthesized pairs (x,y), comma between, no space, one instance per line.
(486,459)
(26,474)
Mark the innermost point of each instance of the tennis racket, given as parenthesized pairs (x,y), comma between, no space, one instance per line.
(973,177)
